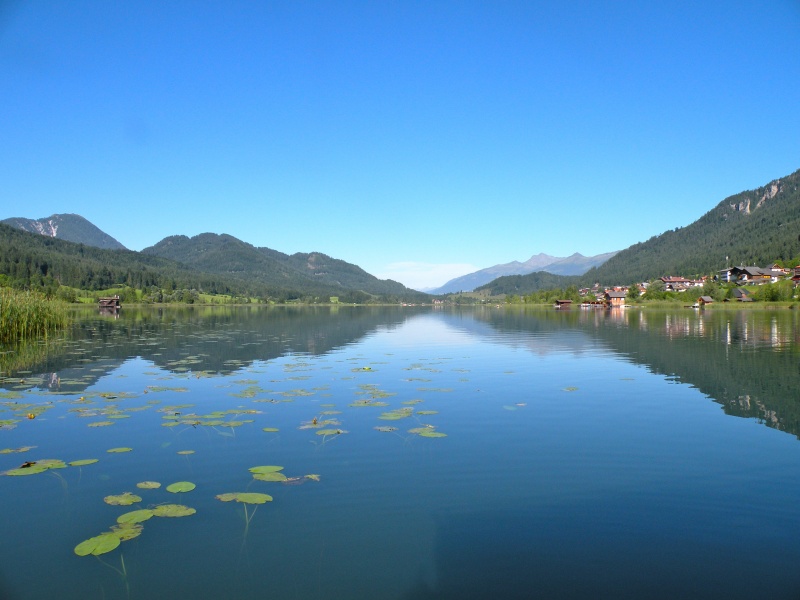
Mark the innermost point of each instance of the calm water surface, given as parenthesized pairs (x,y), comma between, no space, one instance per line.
(620,454)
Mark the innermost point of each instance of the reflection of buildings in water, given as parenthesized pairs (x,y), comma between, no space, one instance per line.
(740,330)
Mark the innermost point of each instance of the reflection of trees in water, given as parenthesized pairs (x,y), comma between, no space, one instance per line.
(210,339)
(746,360)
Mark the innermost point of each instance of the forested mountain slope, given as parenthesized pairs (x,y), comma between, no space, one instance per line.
(753,227)
(69,227)
(225,254)
(758,227)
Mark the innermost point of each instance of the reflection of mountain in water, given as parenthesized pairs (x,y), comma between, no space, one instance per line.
(212,340)
(745,360)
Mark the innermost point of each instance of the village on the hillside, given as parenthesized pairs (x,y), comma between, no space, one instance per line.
(739,280)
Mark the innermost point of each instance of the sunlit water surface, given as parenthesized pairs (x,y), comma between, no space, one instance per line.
(585,454)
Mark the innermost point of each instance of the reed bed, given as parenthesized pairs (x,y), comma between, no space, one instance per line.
(29,315)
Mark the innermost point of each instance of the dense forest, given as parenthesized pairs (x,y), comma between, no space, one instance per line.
(50,265)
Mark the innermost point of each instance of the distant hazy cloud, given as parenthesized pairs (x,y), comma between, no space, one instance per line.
(424,276)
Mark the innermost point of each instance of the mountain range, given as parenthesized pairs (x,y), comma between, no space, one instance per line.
(577,264)
(758,226)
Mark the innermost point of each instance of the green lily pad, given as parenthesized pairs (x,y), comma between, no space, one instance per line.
(21,449)
(181,486)
(38,466)
(127,531)
(173,510)
(396,415)
(33,470)
(148,485)
(245,497)
(430,433)
(270,476)
(124,499)
(83,463)
(135,516)
(185,451)
(100,424)
(270,429)
(266,469)
(100,544)
(117,450)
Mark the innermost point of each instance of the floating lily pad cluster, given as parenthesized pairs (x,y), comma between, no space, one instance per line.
(129,525)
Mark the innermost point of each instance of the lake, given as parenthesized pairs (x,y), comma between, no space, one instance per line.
(410,453)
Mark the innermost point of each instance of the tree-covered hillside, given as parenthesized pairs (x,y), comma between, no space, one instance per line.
(312,273)
(753,227)
(756,227)
(212,264)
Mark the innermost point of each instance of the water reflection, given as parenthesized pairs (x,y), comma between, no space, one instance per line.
(746,360)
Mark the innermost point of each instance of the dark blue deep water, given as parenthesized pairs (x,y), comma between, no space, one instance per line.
(608,454)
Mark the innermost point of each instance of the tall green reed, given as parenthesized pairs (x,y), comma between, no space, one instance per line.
(28,315)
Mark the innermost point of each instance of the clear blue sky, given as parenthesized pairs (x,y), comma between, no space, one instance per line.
(418,140)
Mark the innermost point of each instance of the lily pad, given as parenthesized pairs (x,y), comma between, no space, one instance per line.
(330,431)
(127,531)
(270,429)
(83,463)
(135,516)
(148,485)
(185,451)
(430,433)
(118,450)
(124,499)
(385,428)
(270,476)
(100,544)
(181,486)
(173,510)
(266,469)
(245,497)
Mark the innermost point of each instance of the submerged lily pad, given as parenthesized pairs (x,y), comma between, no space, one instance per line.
(245,497)
(275,476)
(124,499)
(148,485)
(173,510)
(181,486)
(185,451)
(21,449)
(100,544)
(385,428)
(127,531)
(330,431)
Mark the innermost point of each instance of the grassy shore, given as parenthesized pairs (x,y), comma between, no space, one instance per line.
(27,315)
